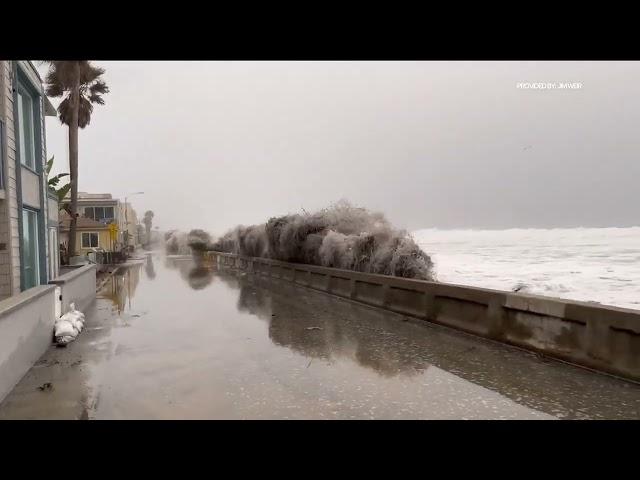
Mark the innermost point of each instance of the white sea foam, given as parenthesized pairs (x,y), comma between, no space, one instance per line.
(588,264)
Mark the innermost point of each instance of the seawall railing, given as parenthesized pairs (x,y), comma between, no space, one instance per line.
(595,336)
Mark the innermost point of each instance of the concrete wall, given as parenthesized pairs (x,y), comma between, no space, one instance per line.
(27,319)
(26,331)
(78,286)
(599,337)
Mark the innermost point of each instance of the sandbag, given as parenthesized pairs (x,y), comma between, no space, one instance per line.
(64,339)
(65,328)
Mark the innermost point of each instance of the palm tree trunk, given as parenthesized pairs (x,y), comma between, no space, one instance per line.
(73,160)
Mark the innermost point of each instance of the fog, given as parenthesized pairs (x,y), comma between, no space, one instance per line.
(428,144)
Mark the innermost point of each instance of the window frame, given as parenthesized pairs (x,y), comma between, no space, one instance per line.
(97,218)
(23,90)
(82,234)
(105,218)
(112,218)
(29,213)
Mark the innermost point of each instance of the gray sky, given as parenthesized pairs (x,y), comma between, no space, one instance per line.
(431,144)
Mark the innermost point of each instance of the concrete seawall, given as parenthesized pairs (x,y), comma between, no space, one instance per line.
(599,337)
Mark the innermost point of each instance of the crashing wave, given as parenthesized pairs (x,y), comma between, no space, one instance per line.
(341,236)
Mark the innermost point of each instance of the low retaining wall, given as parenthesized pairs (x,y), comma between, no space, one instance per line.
(26,321)
(26,330)
(78,286)
(599,337)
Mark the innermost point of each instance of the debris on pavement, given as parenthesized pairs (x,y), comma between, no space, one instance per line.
(45,386)
(313,328)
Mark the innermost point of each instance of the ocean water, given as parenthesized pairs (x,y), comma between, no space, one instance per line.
(588,264)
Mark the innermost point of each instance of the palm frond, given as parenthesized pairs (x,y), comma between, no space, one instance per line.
(62,77)
(99,87)
(53,182)
(62,192)
(89,73)
(64,111)
(84,112)
(96,98)
(49,164)
(65,73)
(54,88)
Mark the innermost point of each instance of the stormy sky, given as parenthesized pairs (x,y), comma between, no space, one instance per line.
(430,144)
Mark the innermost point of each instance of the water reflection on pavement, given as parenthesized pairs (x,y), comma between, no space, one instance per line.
(172,338)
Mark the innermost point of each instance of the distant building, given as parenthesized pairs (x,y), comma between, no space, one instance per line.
(131,224)
(28,225)
(90,234)
(102,208)
(142,233)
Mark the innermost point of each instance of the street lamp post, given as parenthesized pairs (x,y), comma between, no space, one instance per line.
(126,213)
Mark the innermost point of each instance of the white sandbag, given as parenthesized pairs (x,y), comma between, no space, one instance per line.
(68,317)
(77,325)
(78,313)
(73,316)
(69,326)
(65,328)
(64,339)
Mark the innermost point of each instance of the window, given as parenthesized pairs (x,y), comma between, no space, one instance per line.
(30,248)
(100,214)
(26,130)
(89,240)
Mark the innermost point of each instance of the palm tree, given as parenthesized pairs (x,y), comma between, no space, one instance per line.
(79,82)
(148,222)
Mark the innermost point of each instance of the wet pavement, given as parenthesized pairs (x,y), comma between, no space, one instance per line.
(169,339)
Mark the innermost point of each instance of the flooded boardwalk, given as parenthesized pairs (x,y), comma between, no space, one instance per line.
(168,339)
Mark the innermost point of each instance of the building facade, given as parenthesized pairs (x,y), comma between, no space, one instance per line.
(102,209)
(90,234)
(26,235)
